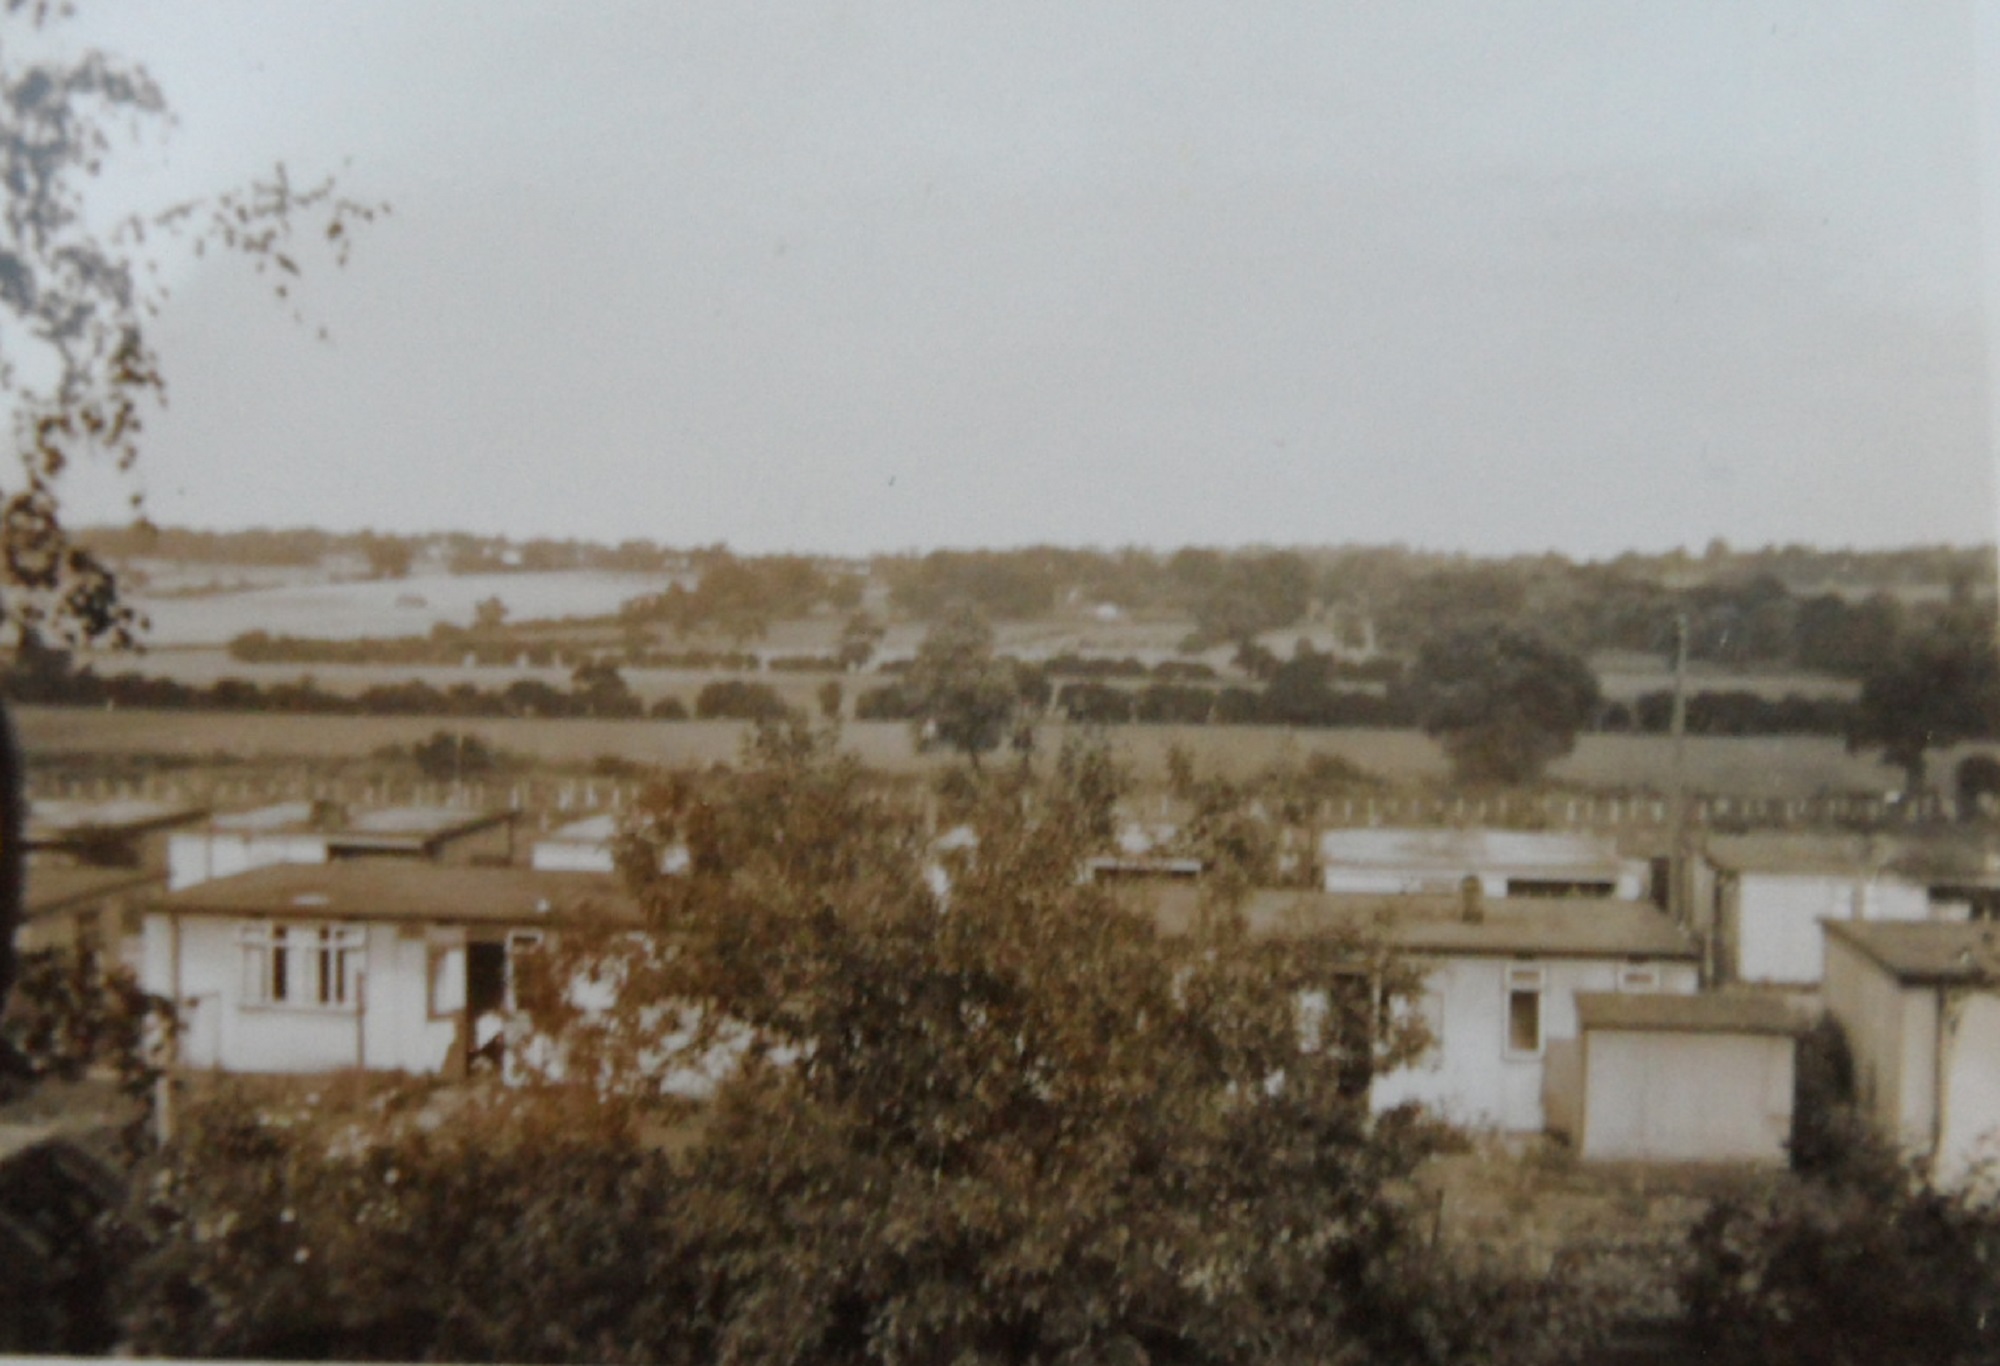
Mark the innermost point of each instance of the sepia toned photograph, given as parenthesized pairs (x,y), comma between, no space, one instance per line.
(1036,684)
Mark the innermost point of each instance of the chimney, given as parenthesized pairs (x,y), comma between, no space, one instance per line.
(1471,900)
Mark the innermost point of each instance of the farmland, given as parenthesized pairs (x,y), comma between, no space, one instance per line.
(1791,766)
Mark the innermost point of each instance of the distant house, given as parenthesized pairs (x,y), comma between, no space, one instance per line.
(1502,976)
(364,964)
(1762,898)
(1920,1005)
(318,832)
(1679,1078)
(1506,863)
(120,833)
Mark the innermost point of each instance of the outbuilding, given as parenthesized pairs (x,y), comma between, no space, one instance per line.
(1675,1078)
(1920,1005)
(323,832)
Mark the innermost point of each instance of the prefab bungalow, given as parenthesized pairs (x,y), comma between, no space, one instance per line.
(370,964)
(1920,1005)
(1679,1078)
(1505,863)
(1501,978)
(589,846)
(1767,895)
(320,832)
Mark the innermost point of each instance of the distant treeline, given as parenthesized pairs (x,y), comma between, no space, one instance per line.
(1300,692)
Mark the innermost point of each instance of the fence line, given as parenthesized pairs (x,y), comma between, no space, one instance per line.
(550,800)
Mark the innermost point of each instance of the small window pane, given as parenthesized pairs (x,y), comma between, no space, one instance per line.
(1524,1021)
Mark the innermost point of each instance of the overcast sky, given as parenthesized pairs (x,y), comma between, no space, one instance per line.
(1575,274)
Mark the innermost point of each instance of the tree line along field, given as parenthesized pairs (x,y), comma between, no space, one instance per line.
(1773,767)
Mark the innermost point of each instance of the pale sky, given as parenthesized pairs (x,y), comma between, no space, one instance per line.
(848,277)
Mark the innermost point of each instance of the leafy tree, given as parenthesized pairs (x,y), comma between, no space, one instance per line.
(489,614)
(830,695)
(452,756)
(1869,1262)
(858,640)
(1936,689)
(1021,1126)
(964,695)
(1504,703)
(77,364)
(1246,595)
(600,690)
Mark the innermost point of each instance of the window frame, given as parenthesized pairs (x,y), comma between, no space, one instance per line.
(1524,981)
(310,966)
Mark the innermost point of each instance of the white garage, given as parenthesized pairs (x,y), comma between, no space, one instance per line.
(1704,1078)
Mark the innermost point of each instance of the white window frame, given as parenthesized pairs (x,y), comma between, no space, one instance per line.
(312,966)
(1524,981)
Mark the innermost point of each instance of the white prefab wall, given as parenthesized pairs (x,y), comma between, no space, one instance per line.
(196,858)
(1775,920)
(1892,1033)
(1686,1097)
(1472,1077)
(1969,1125)
(387,1026)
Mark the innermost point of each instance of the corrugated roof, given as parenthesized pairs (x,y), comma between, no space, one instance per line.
(1462,851)
(370,890)
(1705,1013)
(1927,952)
(1576,927)
(1946,858)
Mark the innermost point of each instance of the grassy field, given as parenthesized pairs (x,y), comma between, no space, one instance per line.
(1771,767)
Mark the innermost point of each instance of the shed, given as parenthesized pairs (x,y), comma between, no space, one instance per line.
(1920,1004)
(321,832)
(1706,1078)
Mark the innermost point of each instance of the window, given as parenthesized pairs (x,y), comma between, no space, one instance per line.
(448,978)
(1639,977)
(1524,1012)
(307,966)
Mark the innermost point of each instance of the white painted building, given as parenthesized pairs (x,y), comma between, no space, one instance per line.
(1920,1004)
(1771,893)
(310,832)
(374,964)
(1506,863)
(1501,978)
(1678,1078)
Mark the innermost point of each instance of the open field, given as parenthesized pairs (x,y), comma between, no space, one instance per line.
(387,607)
(1788,766)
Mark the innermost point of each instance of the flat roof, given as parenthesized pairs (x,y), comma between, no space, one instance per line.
(1927,952)
(391,827)
(1560,927)
(373,890)
(1926,859)
(1732,1012)
(1463,851)
(598,829)
(52,889)
(67,821)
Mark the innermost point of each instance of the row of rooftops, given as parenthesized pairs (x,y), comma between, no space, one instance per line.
(1582,856)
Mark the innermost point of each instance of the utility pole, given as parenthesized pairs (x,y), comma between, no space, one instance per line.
(1680,901)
